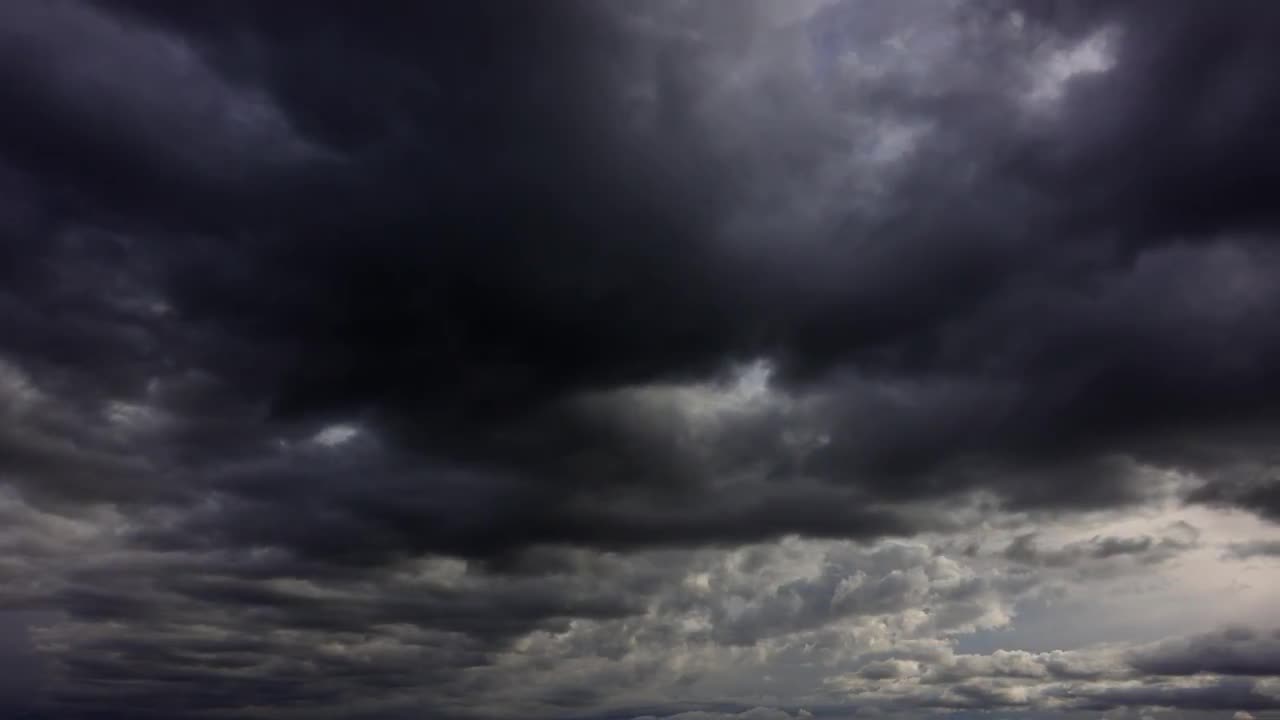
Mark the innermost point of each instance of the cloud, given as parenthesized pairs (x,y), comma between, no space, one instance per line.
(1100,550)
(1236,651)
(1253,549)
(534,360)
(586,632)
(461,303)
(756,713)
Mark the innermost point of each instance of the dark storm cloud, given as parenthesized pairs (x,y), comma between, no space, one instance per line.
(1248,483)
(523,257)
(535,206)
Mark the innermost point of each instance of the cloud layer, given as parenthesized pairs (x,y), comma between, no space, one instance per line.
(675,359)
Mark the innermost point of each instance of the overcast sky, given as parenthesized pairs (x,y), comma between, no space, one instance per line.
(640,360)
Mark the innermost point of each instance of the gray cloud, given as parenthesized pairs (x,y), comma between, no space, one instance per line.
(600,360)
(1253,549)
(1102,550)
(1237,651)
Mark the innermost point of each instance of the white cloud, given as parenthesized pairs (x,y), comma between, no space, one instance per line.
(335,435)
(1052,74)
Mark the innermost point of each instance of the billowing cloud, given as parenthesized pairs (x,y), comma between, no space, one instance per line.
(680,359)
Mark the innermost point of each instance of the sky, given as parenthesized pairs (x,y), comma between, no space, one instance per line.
(660,360)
